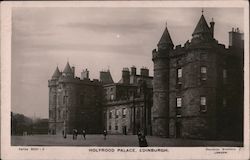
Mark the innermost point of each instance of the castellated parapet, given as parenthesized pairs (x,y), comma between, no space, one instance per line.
(195,89)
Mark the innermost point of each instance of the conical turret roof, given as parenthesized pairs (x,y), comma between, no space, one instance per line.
(67,69)
(202,26)
(165,39)
(57,73)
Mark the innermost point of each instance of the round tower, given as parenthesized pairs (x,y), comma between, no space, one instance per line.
(68,100)
(160,109)
(53,100)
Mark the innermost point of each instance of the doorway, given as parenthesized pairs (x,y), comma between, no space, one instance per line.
(178,130)
(124,130)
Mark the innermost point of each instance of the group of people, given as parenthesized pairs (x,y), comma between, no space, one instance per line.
(75,133)
(141,137)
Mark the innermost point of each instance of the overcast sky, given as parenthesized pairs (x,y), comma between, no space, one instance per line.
(97,39)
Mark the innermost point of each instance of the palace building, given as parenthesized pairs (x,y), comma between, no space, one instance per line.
(197,91)
(198,87)
(128,103)
(74,103)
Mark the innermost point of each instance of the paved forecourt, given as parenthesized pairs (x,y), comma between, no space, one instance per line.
(113,140)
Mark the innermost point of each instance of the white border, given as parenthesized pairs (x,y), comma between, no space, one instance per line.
(9,152)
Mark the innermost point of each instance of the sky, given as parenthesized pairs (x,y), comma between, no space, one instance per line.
(97,39)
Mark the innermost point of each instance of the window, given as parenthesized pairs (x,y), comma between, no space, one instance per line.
(138,113)
(178,107)
(54,99)
(64,99)
(63,114)
(50,114)
(124,112)
(109,126)
(203,73)
(203,56)
(110,114)
(224,75)
(203,105)
(116,127)
(59,114)
(179,78)
(178,102)
(178,112)
(179,72)
(116,113)
(224,102)
(111,97)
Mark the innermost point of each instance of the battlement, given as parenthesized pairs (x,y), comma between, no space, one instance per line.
(52,83)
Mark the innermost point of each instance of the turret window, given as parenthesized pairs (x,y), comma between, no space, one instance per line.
(178,107)
(178,102)
(203,73)
(203,104)
(179,78)
(179,73)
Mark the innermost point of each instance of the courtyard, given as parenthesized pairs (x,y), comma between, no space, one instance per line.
(115,141)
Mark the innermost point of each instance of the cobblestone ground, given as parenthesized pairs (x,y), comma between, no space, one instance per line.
(113,140)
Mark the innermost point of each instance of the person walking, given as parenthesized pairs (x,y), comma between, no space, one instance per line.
(76,133)
(84,134)
(142,140)
(64,134)
(105,134)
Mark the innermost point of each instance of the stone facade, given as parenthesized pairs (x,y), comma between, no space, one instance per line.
(74,103)
(198,87)
(128,103)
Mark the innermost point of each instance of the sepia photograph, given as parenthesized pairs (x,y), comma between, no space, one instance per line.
(128,78)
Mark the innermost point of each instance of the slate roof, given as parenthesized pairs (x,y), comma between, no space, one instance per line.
(57,73)
(165,38)
(202,26)
(67,69)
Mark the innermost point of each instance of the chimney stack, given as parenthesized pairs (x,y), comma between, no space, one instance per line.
(212,27)
(125,76)
(144,72)
(85,74)
(133,70)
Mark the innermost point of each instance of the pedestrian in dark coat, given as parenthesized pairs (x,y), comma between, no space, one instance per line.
(84,134)
(105,134)
(76,133)
(73,133)
(142,140)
